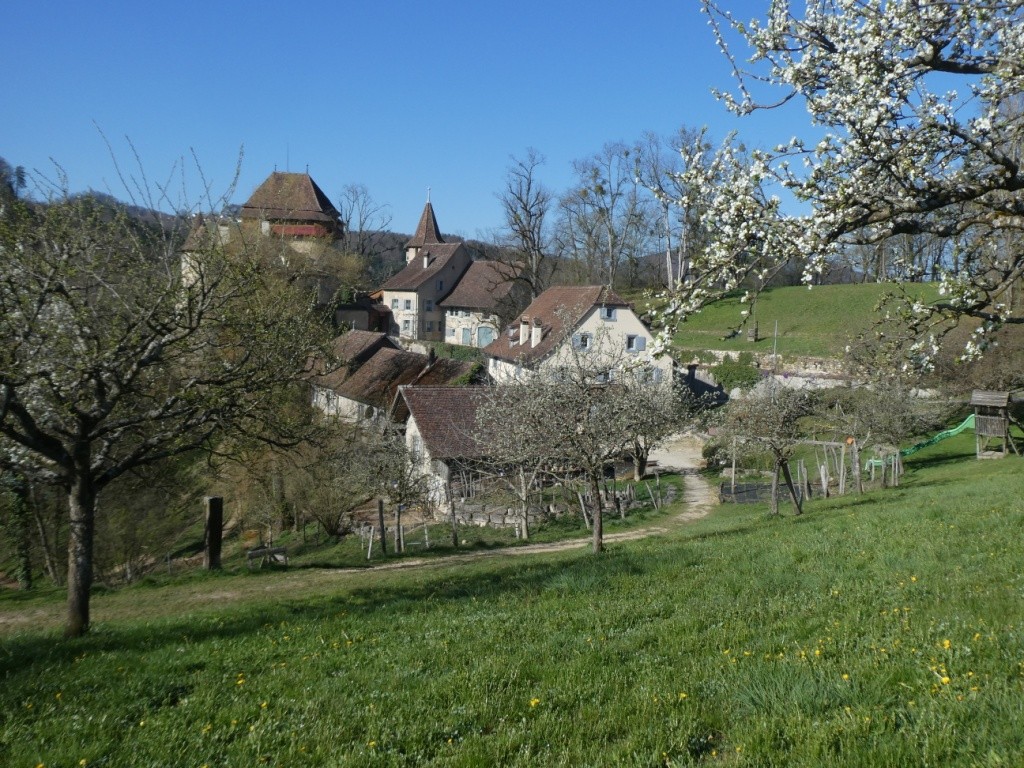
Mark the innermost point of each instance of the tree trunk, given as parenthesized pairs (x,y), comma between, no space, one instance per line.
(451,516)
(639,462)
(49,555)
(524,496)
(22,531)
(82,509)
(380,521)
(775,490)
(398,529)
(595,485)
(792,489)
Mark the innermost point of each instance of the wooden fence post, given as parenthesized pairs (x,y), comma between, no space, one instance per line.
(214,534)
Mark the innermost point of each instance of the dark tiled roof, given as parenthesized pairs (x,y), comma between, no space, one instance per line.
(559,309)
(483,286)
(415,274)
(292,197)
(376,381)
(447,419)
(351,350)
(427,232)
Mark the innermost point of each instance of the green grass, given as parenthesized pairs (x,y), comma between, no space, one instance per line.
(816,322)
(886,629)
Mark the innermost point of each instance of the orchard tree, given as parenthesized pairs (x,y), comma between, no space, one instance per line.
(918,131)
(769,418)
(110,361)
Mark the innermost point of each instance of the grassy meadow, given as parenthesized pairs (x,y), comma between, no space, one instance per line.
(883,630)
(816,322)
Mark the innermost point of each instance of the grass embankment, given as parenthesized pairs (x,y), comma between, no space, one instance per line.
(881,630)
(815,322)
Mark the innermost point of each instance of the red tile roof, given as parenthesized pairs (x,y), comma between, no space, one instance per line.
(427,232)
(291,197)
(559,309)
(415,274)
(483,286)
(447,419)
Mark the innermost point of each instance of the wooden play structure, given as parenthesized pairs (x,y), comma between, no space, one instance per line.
(991,424)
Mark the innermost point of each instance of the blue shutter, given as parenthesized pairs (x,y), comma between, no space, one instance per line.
(641,343)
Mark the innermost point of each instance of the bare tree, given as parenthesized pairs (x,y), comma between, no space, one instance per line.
(364,220)
(605,221)
(586,414)
(660,166)
(110,361)
(770,419)
(526,204)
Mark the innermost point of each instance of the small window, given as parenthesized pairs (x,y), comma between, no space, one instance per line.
(405,326)
(430,305)
(430,325)
(440,285)
(408,303)
(581,341)
(451,332)
(394,303)
(636,343)
(607,313)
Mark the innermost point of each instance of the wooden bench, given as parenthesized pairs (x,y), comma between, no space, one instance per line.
(267,556)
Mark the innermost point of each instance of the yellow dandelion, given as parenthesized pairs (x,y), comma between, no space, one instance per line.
(845,676)
(682,695)
(534,702)
(944,680)
(371,744)
(263,705)
(946,644)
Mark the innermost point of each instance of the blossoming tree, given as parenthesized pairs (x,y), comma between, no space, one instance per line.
(918,106)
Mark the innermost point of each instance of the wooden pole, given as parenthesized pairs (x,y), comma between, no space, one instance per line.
(214,533)
(369,547)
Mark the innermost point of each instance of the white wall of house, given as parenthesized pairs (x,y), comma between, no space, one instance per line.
(329,402)
(470,328)
(436,472)
(615,333)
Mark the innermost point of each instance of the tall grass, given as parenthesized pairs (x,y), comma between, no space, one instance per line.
(886,629)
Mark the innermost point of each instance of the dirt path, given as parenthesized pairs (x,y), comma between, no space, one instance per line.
(681,454)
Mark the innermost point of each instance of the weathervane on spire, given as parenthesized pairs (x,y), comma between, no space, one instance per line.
(428,194)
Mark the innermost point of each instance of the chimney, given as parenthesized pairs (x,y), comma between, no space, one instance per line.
(536,333)
(524,329)
(431,357)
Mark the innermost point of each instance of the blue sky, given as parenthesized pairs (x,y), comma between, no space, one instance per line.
(398,96)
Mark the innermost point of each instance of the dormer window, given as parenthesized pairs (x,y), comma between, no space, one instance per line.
(440,285)
(607,313)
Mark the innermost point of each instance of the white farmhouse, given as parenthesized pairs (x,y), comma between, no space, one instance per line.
(568,320)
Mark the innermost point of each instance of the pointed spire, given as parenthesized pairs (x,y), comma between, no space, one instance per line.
(427,233)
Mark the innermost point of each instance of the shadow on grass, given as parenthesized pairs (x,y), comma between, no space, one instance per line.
(22,655)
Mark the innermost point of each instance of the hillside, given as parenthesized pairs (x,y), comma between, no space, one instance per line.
(878,630)
(816,322)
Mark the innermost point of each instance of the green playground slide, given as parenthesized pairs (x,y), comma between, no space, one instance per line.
(967,423)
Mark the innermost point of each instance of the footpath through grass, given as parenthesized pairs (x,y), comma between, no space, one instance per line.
(881,630)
